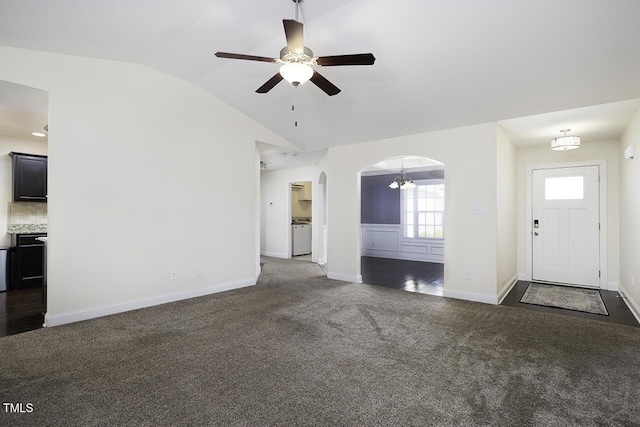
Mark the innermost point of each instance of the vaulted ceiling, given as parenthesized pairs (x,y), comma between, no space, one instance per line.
(440,64)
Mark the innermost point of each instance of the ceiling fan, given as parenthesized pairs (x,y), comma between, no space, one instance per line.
(298,61)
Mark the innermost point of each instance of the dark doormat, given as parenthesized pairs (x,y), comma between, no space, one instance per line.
(569,298)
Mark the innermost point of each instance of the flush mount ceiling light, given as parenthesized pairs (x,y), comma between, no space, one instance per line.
(565,142)
(38,134)
(402,181)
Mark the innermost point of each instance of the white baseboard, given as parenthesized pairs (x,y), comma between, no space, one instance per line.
(345,277)
(632,304)
(322,261)
(469,296)
(105,310)
(275,255)
(507,288)
(613,286)
(523,276)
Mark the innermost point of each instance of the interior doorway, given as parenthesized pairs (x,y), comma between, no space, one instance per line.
(402,224)
(24,120)
(323,212)
(302,220)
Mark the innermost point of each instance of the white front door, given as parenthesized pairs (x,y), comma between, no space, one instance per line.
(566,225)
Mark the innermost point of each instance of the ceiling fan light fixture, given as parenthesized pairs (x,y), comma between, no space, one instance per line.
(565,142)
(296,73)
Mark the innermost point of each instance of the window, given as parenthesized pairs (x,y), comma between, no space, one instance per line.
(564,188)
(423,210)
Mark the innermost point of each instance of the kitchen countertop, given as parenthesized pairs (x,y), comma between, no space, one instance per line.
(26,228)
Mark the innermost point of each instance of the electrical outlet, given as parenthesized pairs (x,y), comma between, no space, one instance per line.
(199,271)
(633,282)
(348,261)
(467,275)
(173,274)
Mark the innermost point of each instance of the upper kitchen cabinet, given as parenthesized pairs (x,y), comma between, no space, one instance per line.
(29,177)
(304,190)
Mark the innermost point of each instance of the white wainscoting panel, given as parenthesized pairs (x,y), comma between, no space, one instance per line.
(381,240)
(386,241)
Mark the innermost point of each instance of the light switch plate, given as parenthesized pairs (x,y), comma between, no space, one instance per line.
(478,209)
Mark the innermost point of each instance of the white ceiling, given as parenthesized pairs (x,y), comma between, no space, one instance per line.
(23,110)
(409,163)
(596,123)
(440,64)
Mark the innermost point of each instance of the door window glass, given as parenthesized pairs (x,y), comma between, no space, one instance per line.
(564,188)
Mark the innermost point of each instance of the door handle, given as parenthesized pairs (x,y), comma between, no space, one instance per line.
(535,233)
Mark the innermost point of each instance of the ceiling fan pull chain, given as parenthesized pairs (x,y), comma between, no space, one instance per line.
(293,106)
(293,99)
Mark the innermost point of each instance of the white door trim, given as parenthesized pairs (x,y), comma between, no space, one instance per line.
(602,165)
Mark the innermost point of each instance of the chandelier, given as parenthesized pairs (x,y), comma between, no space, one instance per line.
(565,142)
(402,181)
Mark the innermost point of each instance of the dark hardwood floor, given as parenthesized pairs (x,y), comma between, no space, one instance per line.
(618,311)
(412,276)
(428,278)
(21,310)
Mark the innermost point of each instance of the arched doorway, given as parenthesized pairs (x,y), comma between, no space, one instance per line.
(402,224)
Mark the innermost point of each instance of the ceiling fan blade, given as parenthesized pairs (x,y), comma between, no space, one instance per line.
(324,84)
(270,84)
(357,59)
(245,57)
(293,33)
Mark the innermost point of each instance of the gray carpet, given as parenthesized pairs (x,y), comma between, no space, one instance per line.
(299,349)
(576,299)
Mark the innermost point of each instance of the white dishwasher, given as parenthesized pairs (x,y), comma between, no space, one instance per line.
(301,236)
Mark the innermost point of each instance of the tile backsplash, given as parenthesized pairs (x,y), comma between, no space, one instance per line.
(27,213)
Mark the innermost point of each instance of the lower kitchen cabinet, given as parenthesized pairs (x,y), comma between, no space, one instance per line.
(28,260)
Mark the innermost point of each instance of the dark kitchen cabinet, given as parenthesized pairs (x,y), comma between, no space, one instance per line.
(28,260)
(29,177)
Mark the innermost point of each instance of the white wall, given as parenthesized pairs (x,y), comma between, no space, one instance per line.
(630,217)
(7,145)
(506,213)
(139,169)
(470,159)
(603,150)
(276,208)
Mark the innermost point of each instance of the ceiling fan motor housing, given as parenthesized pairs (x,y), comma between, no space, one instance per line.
(306,57)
